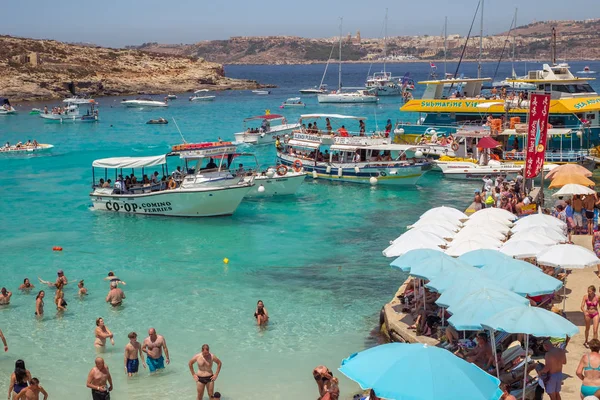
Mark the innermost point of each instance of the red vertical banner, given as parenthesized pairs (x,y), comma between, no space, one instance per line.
(539,106)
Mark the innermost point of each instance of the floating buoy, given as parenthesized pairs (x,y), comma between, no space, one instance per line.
(57,248)
(261,189)
(373,181)
(270,173)
(226,260)
(418,154)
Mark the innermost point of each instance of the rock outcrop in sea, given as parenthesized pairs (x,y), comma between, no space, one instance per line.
(45,69)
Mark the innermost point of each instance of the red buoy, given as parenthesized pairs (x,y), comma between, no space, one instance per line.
(57,248)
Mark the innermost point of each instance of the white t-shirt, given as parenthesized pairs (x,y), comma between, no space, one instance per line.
(488,184)
(119,185)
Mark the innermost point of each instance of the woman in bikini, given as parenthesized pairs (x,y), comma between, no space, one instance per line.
(589,308)
(102,333)
(588,370)
(39,304)
(261,314)
(18,379)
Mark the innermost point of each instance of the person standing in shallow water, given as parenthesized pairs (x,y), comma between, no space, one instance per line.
(205,378)
(32,392)
(39,304)
(153,346)
(261,314)
(102,333)
(132,349)
(99,379)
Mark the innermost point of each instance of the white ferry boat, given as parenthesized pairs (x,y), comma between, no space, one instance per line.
(265,133)
(203,188)
(352,157)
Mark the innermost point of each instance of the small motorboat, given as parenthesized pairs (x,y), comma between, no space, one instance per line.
(172,96)
(144,102)
(5,107)
(25,148)
(159,121)
(292,102)
(316,90)
(586,70)
(35,111)
(200,96)
(261,92)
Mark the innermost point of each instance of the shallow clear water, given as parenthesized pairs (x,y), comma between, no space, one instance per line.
(314,258)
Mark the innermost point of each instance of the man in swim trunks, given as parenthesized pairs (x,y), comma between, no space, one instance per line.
(5,296)
(115,295)
(589,201)
(97,380)
(153,346)
(205,377)
(555,358)
(132,349)
(32,392)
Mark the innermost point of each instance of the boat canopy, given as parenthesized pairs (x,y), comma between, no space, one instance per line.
(266,116)
(303,143)
(379,147)
(337,116)
(130,162)
(201,90)
(293,99)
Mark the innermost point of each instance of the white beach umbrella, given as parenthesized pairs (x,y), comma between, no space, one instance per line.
(571,189)
(538,225)
(534,237)
(491,225)
(522,248)
(496,211)
(488,218)
(439,222)
(420,236)
(466,246)
(448,218)
(469,231)
(568,256)
(437,230)
(539,220)
(482,238)
(551,233)
(443,210)
(403,246)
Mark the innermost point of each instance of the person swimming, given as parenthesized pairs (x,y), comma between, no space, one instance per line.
(261,314)
(113,278)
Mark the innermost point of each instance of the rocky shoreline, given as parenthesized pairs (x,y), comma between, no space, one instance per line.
(47,69)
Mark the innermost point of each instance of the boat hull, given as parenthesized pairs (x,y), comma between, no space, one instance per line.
(145,104)
(60,117)
(339,99)
(206,202)
(42,148)
(203,98)
(264,137)
(395,175)
(312,91)
(470,171)
(277,185)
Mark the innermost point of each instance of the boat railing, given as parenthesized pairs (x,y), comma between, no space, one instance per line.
(550,156)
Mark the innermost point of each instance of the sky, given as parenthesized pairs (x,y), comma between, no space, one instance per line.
(117,23)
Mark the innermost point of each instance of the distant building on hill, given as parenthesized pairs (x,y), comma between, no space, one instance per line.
(31,58)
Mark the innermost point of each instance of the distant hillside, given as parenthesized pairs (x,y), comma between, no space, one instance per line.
(576,40)
(43,69)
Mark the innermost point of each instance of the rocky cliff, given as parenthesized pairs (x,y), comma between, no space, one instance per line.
(576,40)
(44,69)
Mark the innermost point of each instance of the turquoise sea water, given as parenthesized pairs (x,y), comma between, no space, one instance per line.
(314,258)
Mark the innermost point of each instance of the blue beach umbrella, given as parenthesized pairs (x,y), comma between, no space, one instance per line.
(403,371)
(471,277)
(419,256)
(529,282)
(442,267)
(477,306)
(499,270)
(481,257)
(454,294)
(531,321)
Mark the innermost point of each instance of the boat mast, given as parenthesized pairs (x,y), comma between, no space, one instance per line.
(553,45)
(340,65)
(514,75)
(445,44)
(385,39)
(480,42)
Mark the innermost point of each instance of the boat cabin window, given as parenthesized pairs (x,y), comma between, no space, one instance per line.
(568,88)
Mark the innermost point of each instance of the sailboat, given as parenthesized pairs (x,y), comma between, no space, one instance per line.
(383,83)
(359,96)
(510,82)
(322,89)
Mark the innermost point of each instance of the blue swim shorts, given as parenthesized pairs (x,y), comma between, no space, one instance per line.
(133,365)
(155,363)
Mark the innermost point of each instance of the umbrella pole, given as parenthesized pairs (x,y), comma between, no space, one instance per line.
(525,371)
(565,291)
(492,331)
(424,308)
